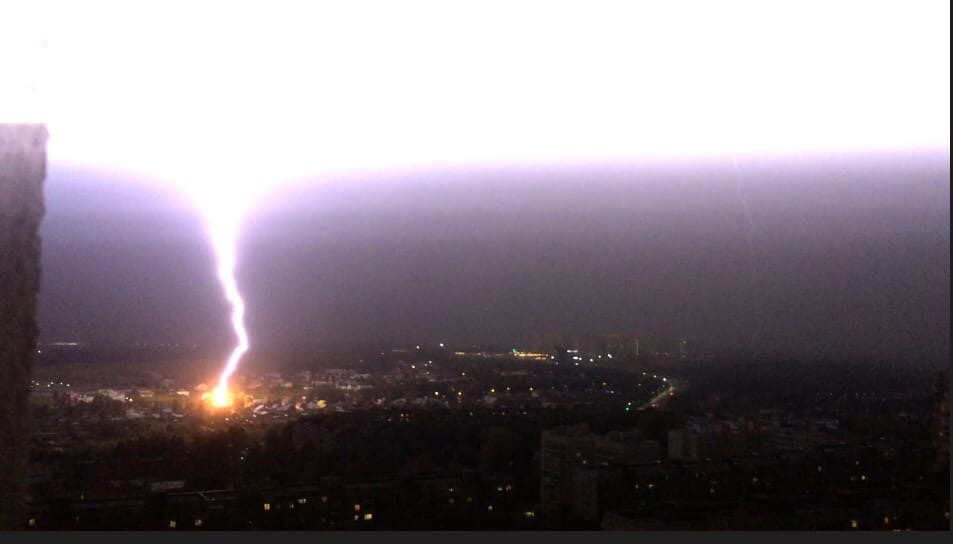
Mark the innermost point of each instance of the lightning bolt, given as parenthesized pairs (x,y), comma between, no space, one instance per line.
(752,254)
(223,227)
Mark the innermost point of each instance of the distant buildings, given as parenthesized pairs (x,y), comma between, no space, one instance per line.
(113,394)
(617,345)
(702,438)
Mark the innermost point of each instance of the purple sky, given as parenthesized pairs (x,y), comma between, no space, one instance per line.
(851,256)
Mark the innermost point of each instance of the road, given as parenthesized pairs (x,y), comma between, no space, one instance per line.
(661,397)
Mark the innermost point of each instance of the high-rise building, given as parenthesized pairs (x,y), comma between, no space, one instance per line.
(22,171)
(941,418)
(585,492)
(562,450)
(580,470)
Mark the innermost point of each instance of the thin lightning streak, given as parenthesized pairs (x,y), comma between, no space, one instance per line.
(752,255)
(744,205)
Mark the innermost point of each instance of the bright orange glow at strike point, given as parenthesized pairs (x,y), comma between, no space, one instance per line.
(221,397)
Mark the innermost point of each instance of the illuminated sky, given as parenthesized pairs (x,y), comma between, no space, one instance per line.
(301,88)
(612,123)
(853,254)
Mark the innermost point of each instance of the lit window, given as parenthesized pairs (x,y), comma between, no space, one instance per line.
(172,525)
(489,508)
(853,523)
(302,500)
(324,498)
(266,506)
(530,514)
(368,517)
(198,523)
(32,522)
(357,507)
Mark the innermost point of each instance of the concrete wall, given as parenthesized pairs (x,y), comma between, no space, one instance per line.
(22,171)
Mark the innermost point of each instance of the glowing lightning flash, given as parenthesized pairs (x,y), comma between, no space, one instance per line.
(257,119)
(223,194)
(223,226)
